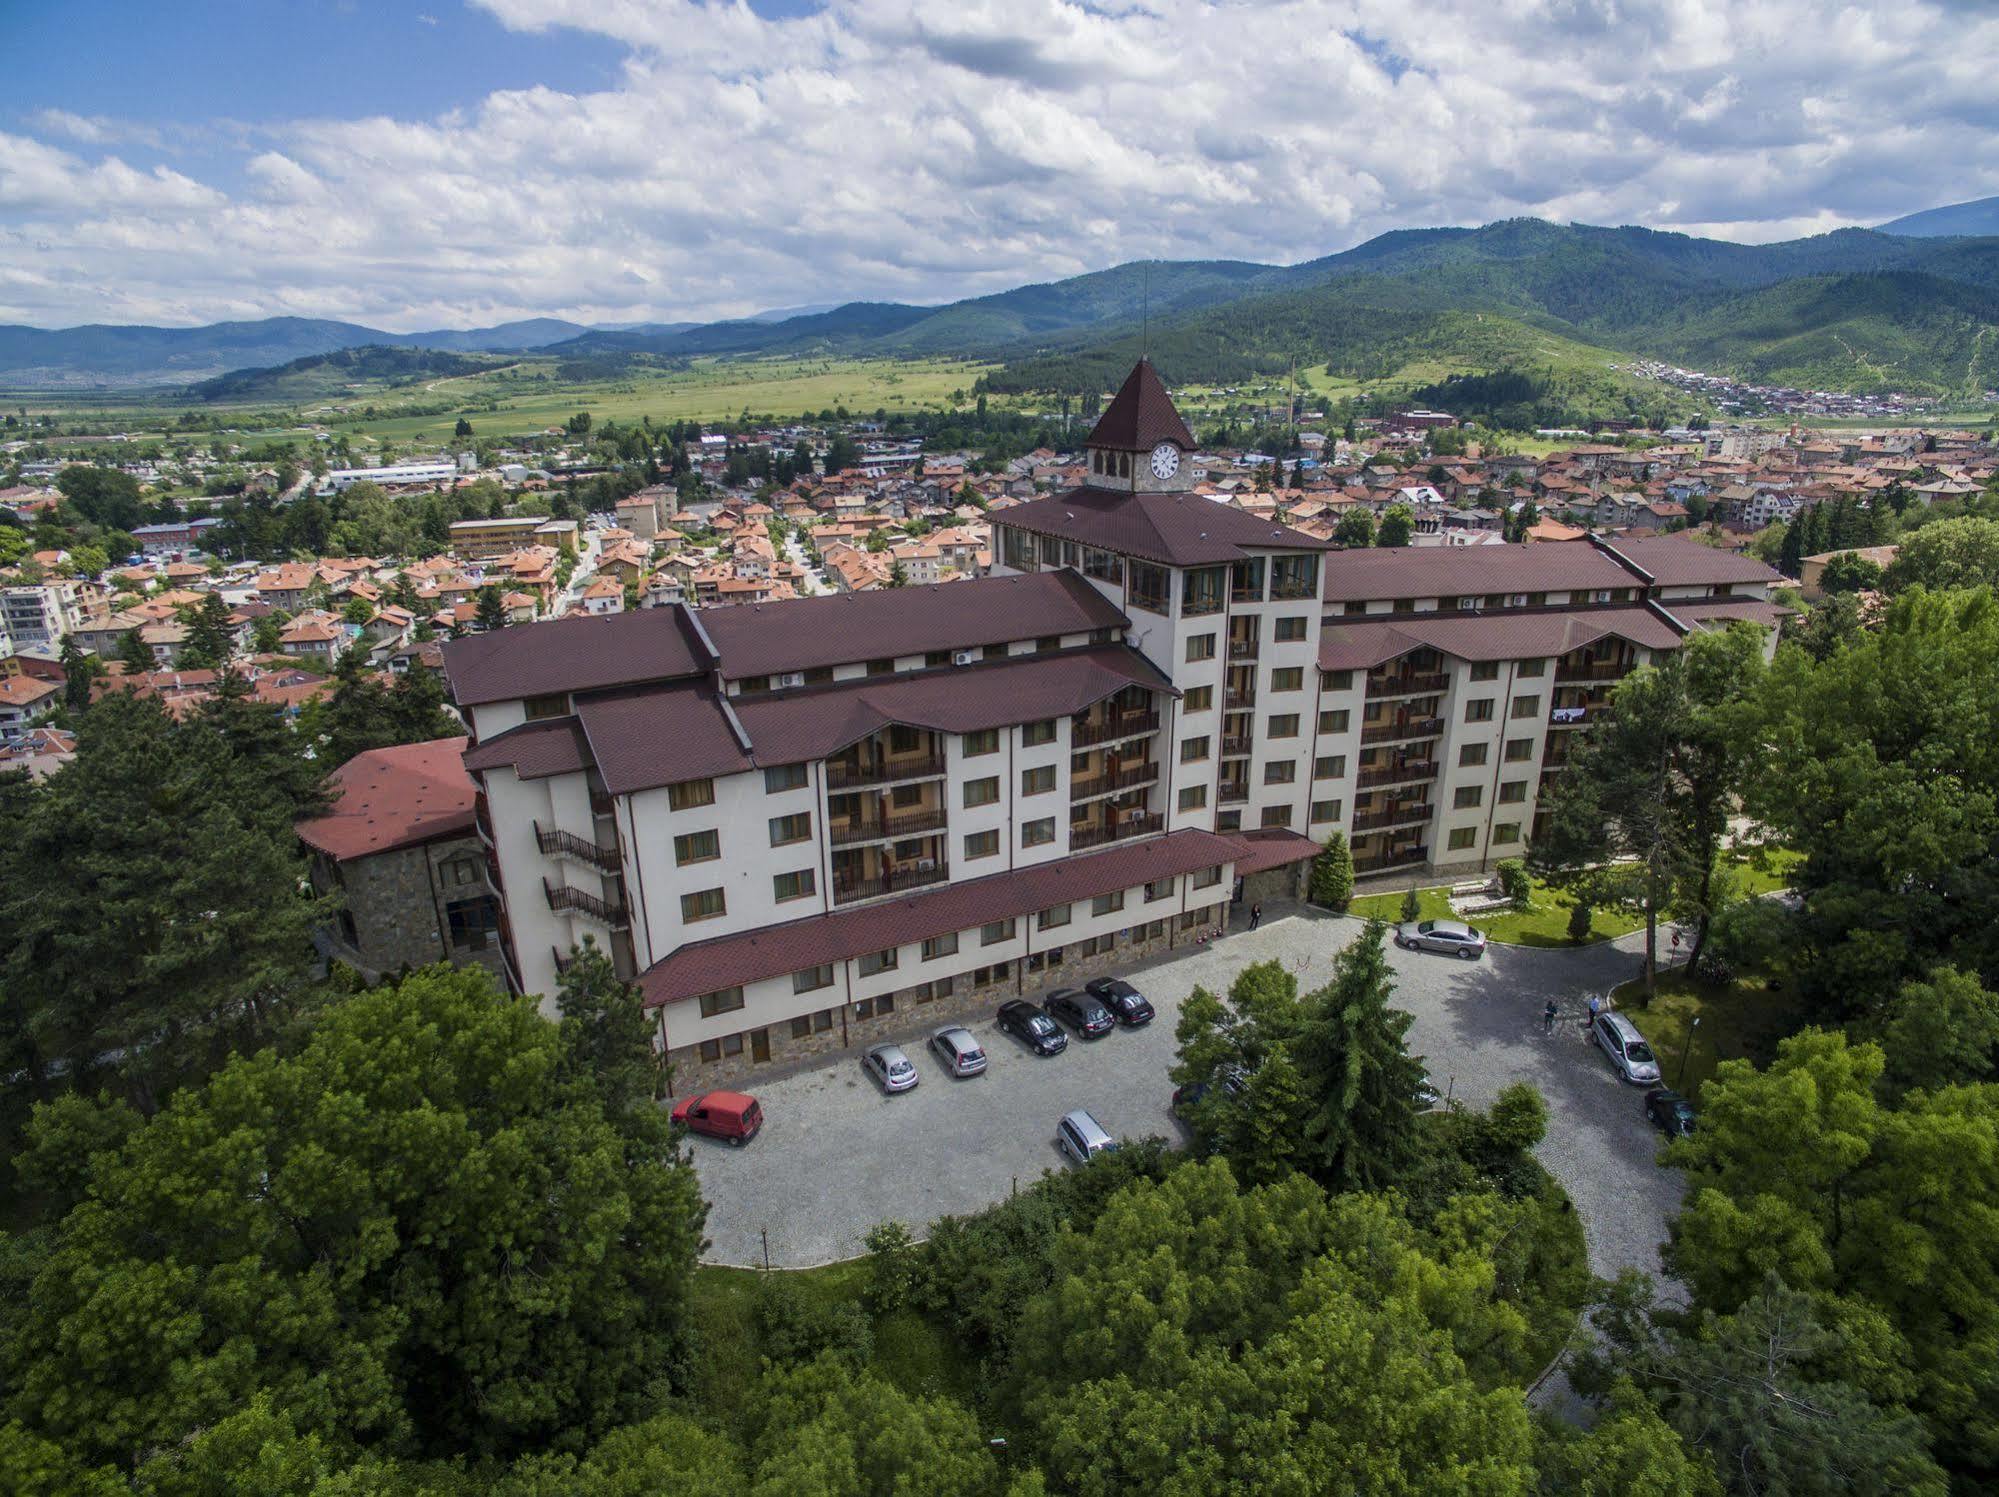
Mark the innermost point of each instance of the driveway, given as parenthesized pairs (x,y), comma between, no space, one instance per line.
(836,1156)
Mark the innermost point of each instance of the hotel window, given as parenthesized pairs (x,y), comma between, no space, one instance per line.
(1193,797)
(981,844)
(1325,810)
(1527,670)
(1519,750)
(1467,796)
(1193,750)
(1291,629)
(933,658)
(1037,833)
(1037,781)
(1485,670)
(1033,735)
(1329,767)
(696,847)
(1207,878)
(1280,772)
(938,946)
(876,962)
(997,972)
(1462,838)
(1107,904)
(1333,720)
(784,777)
(998,931)
(1275,816)
(1288,678)
(1526,707)
(1479,710)
(812,979)
(1198,699)
(1284,725)
(703,904)
(1158,889)
(796,827)
(1339,680)
(690,793)
(1512,792)
(985,741)
(1202,591)
(1471,755)
(903,739)
(1149,587)
(1053,918)
(875,1008)
(726,1001)
(982,792)
(1294,576)
(1228,821)
(1506,834)
(1019,548)
(1051,551)
(1046,643)
(1104,566)
(881,667)
(797,885)
(1201,647)
(1246,580)
(555,704)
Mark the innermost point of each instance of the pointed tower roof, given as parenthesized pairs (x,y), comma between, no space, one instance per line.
(1141,415)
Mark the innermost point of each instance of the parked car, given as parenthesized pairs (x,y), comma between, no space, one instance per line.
(1127,1005)
(1669,1112)
(1231,1079)
(1626,1048)
(890,1067)
(1080,1012)
(959,1051)
(1452,937)
(1428,1098)
(1032,1027)
(733,1117)
(1082,1137)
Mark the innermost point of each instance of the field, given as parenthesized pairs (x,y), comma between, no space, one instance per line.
(1543,922)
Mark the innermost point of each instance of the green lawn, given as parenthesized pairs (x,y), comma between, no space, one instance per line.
(1742,1021)
(1544,922)
(1766,870)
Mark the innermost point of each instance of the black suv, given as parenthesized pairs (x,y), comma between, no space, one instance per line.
(1671,1113)
(1032,1027)
(1126,1003)
(1080,1012)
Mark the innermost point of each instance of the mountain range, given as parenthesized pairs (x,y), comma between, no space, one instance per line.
(1903,307)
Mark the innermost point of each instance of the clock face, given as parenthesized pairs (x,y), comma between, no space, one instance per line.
(1165,460)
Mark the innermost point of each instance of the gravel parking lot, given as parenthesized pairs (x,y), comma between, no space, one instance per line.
(836,1156)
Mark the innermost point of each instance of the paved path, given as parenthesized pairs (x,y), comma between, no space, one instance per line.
(836,1156)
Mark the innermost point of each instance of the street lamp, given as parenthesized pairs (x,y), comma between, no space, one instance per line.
(1681,1083)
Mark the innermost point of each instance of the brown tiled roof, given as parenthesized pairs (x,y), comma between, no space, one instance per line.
(579,653)
(1362,645)
(1270,847)
(1453,571)
(1671,561)
(773,950)
(1141,415)
(534,750)
(763,639)
(394,797)
(660,735)
(1175,529)
(1720,612)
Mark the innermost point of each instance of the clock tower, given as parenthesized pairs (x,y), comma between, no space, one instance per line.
(1140,445)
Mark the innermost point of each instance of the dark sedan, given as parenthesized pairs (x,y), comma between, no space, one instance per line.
(1032,1027)
(1080,1012)
(1127,1005)
(1669,1112)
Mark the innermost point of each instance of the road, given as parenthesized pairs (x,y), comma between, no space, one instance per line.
(836,1157)
(815,580)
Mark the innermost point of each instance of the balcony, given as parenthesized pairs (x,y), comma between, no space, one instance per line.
(1593,670)
(1575,717)
(1409,815)
(1129,778)
(883,828)
(565,901)
(1403,857)
(851,774)
(1087,836)
(560,844)
(1376,776)
(893,881)
(1231,794)
(1239,698)
(1235,746)
(1410,685)
(1403,732)
(1242,649)
(1110,729)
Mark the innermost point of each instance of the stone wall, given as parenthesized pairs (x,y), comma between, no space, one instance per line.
(395,907)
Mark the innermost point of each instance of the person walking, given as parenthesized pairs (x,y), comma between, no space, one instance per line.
(1548,1017)
(1255,916)
(1595,1007)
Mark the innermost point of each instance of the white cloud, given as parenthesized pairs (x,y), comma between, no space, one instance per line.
(900,149)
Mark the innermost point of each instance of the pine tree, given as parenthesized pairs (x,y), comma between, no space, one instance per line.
(606,1039)
(79,670)
(209,642)
(1360,1082)
(492,611)
(136,653)
(1332,873)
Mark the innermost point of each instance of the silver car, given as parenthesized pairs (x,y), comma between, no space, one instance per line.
(1452,937)
(958,1050)
(1082,1137)
(1626,1048)
(889,1066)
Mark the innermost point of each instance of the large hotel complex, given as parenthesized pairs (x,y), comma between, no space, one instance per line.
(793,823)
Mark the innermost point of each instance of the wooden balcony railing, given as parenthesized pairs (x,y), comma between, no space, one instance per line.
(895,881)
(560,844)
(1237,698)
(1228,794)
(564,900)
(847,774)
(1408,685)
(1415,727)
(1404,857)
(1410,815)
(1096,834)
(1129,778)
(1594,670)
(1242,649)
(1235,745)
(1106,730)
(1374,777)
(880,828)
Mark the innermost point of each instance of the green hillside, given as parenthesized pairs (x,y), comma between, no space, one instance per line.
(326,376)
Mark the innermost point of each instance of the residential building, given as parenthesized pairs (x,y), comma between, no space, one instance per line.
(38,615)
(23,699)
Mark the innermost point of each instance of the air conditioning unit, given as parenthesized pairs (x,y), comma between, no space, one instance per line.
(964,657)
(790,678)
(1517,600)
(1601,595)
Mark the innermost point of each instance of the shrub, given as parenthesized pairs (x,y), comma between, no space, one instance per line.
(892,1266)
(1514,882)
(1332,874)
(1412,907)
(1713,970)
(794,1326)
(1579,922)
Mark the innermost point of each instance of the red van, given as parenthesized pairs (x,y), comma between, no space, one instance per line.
(732,1117)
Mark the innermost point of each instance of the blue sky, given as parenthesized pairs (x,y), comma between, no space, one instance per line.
(460,162)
